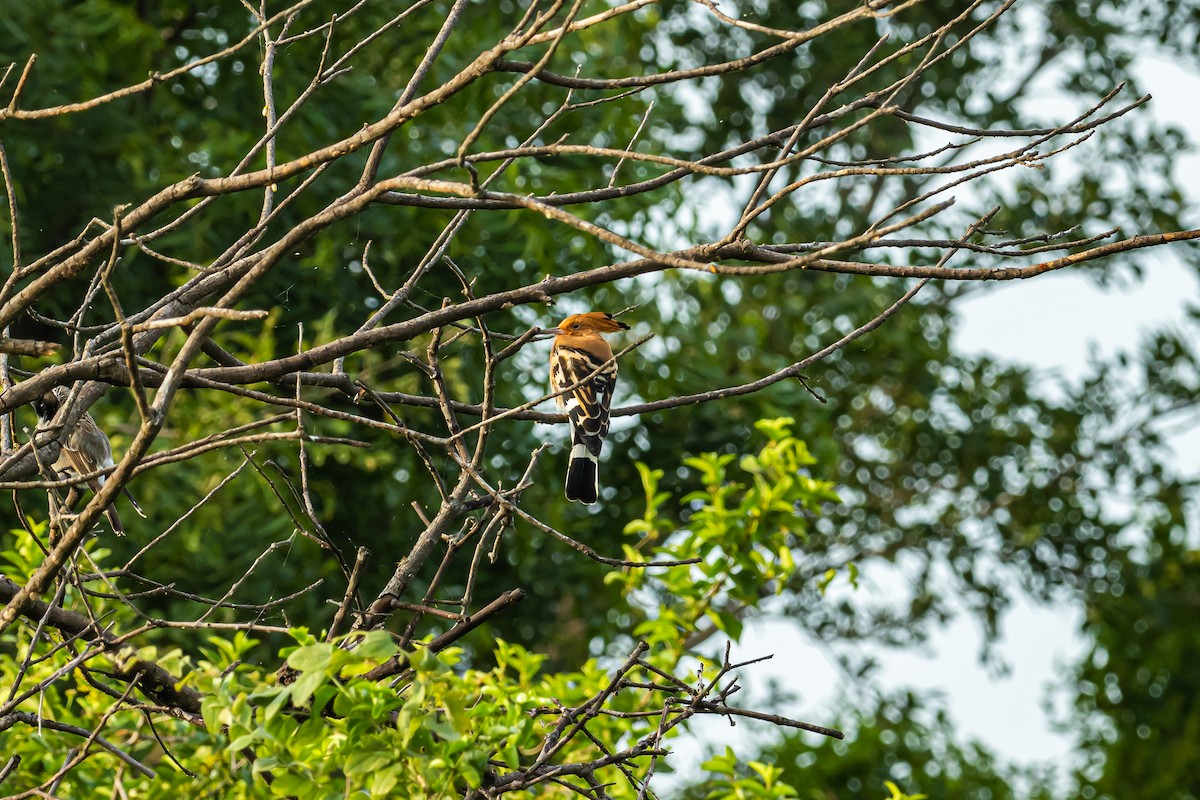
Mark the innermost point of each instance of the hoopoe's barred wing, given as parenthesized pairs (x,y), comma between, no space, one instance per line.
(587,406)
(588,403)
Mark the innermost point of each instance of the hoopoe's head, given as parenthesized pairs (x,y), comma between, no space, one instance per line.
(593,322)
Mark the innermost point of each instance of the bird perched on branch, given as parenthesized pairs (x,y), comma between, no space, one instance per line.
(583,370)
(85,449)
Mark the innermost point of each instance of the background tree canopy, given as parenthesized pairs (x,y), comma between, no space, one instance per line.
(297,256)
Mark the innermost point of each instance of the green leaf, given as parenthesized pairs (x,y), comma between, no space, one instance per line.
(305,685)
(384,781)
(291,784)
(243,741)
(210,710)
(723,764)
(312,657)
(455,706)
(422,660)
(282,695)
(776,429)
(363,763)
(826,579)
(376,645)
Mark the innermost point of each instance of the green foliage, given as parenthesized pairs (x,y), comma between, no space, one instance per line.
(726,783)
(743,531)
(332,731)
(452,726)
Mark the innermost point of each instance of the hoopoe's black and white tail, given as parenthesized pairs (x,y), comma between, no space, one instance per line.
(583,475)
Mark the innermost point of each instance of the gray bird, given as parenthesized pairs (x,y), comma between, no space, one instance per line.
(85,449)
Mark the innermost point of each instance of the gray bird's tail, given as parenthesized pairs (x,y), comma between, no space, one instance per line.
(136,507)
(115,521)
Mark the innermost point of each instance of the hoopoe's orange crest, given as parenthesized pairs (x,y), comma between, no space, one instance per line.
(591,322)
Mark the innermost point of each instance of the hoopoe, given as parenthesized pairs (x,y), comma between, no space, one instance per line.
(579,351)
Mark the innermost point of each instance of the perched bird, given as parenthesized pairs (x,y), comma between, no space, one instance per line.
(84,449)
(579,351)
